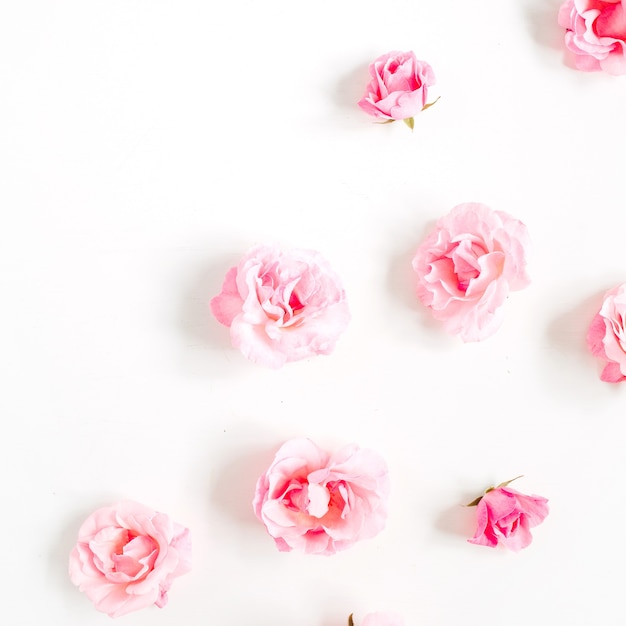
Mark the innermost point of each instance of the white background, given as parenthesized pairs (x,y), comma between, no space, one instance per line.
(146,145)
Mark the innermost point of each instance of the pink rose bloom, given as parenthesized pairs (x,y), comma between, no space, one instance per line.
(596,34)
(468,265)
(382,619)
(399,86)
(607,335)
(282,307)
(127,556)
(506,516)
(318,503)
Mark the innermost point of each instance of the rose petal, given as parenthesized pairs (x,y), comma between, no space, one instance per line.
(282,307)
(468,265)
(399,86)
(127,556)
(320,504)
(505,516)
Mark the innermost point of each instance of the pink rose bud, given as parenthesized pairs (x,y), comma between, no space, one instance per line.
(468,265)
(127,557)
(399,87)
(320,503)
(607,335)
(282,306)
(595,34)
(505,516)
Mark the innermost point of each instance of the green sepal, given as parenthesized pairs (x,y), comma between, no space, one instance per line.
(350,620)
(429,104)
(475,501)
(410,122)
(504,484)
(508,482)
(386,122)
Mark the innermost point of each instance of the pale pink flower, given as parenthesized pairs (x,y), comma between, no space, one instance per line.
(319,503)
(607,335)
(382,619)
(399,86)
(282,306)
(596,34)
(468,265)
(505,516)
(127,557)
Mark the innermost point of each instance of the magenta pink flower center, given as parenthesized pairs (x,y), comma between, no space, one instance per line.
(508,526)
(462,262)
(339,498)
(122,554)
(137,556)
(401,77)
(317,499)
(279,299)
(295,497)
(294,303)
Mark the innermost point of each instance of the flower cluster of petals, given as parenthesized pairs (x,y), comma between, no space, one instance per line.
(285,306)
(127,556)
(320,503)
(595,34)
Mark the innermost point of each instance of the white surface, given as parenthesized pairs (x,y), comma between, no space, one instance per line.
(146,146)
